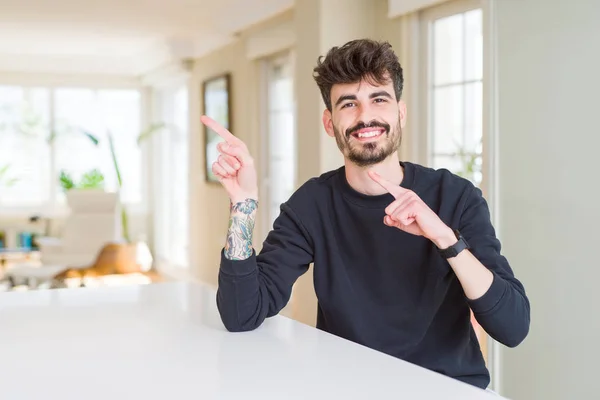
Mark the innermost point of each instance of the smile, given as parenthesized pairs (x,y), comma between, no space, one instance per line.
(368,134)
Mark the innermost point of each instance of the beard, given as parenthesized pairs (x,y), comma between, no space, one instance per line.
(370,153)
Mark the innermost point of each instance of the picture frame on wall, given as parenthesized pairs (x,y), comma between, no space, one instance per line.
(216,95)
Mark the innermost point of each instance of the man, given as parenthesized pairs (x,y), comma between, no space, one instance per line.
(401,252)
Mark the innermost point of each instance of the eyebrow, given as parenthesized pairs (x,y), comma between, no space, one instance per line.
(381,93)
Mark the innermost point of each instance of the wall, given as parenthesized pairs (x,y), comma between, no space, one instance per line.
(338,22)
(210,211)
(548,98)
(209,201)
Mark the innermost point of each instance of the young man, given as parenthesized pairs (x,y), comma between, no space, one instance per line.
(401,252)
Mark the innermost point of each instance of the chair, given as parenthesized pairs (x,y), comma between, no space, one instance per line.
(94,221)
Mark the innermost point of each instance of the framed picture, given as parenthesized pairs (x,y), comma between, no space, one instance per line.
(216,95)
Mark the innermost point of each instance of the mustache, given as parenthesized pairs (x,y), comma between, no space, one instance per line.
(372,124)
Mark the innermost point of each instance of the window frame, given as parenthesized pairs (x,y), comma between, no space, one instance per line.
(163,105)
(265,112)
(426,148)
(416,25)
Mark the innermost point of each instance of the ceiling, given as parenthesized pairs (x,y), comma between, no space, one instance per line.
(124,37)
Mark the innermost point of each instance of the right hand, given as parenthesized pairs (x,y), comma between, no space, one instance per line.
(235,167)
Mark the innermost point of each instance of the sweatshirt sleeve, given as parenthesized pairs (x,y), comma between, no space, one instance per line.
(503,311)
(259,287)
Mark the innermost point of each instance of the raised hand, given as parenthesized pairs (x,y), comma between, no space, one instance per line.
(235,167)
(410,214)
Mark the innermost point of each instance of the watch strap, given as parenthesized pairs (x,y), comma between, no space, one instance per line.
(456,248)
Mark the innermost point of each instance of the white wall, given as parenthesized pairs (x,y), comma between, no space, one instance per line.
(549,58)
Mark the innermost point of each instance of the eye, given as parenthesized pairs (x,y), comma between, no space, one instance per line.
(347,105)
(380,100)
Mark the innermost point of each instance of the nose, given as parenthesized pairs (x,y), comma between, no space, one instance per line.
(366,113)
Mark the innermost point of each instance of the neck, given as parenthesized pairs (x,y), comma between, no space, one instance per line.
(389,169)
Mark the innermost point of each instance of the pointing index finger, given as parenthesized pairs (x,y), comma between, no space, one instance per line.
(393,189)
(221,131)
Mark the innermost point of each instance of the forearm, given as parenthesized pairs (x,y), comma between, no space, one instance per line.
(473,276)
(499,307)
(238,245)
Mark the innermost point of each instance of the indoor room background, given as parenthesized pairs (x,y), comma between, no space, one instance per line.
(107,96)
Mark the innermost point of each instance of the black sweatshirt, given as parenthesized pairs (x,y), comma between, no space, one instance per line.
(377,285)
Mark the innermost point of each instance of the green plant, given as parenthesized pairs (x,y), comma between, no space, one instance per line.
(93,179)
(470,162)
(66,181)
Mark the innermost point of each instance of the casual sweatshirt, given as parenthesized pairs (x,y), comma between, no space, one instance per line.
(377,285)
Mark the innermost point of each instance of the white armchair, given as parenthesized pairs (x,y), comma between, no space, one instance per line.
(94,220)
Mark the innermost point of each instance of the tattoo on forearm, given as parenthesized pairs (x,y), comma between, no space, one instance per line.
(241,229)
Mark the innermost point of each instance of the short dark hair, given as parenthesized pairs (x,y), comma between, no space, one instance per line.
(356,60)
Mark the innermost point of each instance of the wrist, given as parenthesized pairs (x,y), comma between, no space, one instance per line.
(244,204)
(243,198)
(446,239)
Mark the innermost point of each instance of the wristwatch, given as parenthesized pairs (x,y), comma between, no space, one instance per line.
(456,248)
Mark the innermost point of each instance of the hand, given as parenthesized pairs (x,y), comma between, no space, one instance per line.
(235,167)
(410,214)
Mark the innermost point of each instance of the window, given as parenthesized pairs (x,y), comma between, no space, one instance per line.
(170,155)
(39,138)
(454,91)
(452,112)
(279,174)
(24,150)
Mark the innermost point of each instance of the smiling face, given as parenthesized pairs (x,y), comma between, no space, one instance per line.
(366,120)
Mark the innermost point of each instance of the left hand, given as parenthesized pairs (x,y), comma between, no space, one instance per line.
(410,214)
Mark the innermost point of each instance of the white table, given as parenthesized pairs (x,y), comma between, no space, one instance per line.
(166,340)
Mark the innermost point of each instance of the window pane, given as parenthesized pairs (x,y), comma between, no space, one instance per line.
(473,117)
(119,113)
(281,167)
(179,180)
(467,165)
(76,154)
(474,45)
(170,177)
(24,152)
(282,144)
(216,107)
(448,49)
(448,114)
(451,163)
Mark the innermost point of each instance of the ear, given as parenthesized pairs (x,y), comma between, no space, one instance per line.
(328,123)
(402,109)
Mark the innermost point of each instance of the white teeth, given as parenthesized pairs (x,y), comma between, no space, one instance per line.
(368,134)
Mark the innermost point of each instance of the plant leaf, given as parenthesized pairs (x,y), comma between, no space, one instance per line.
(125,224)
(11,182)
(66,181)
(90,136)
(93,179)
(4,170)
(114,158)
(151,130)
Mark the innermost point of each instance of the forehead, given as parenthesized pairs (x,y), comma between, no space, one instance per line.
(362,88)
